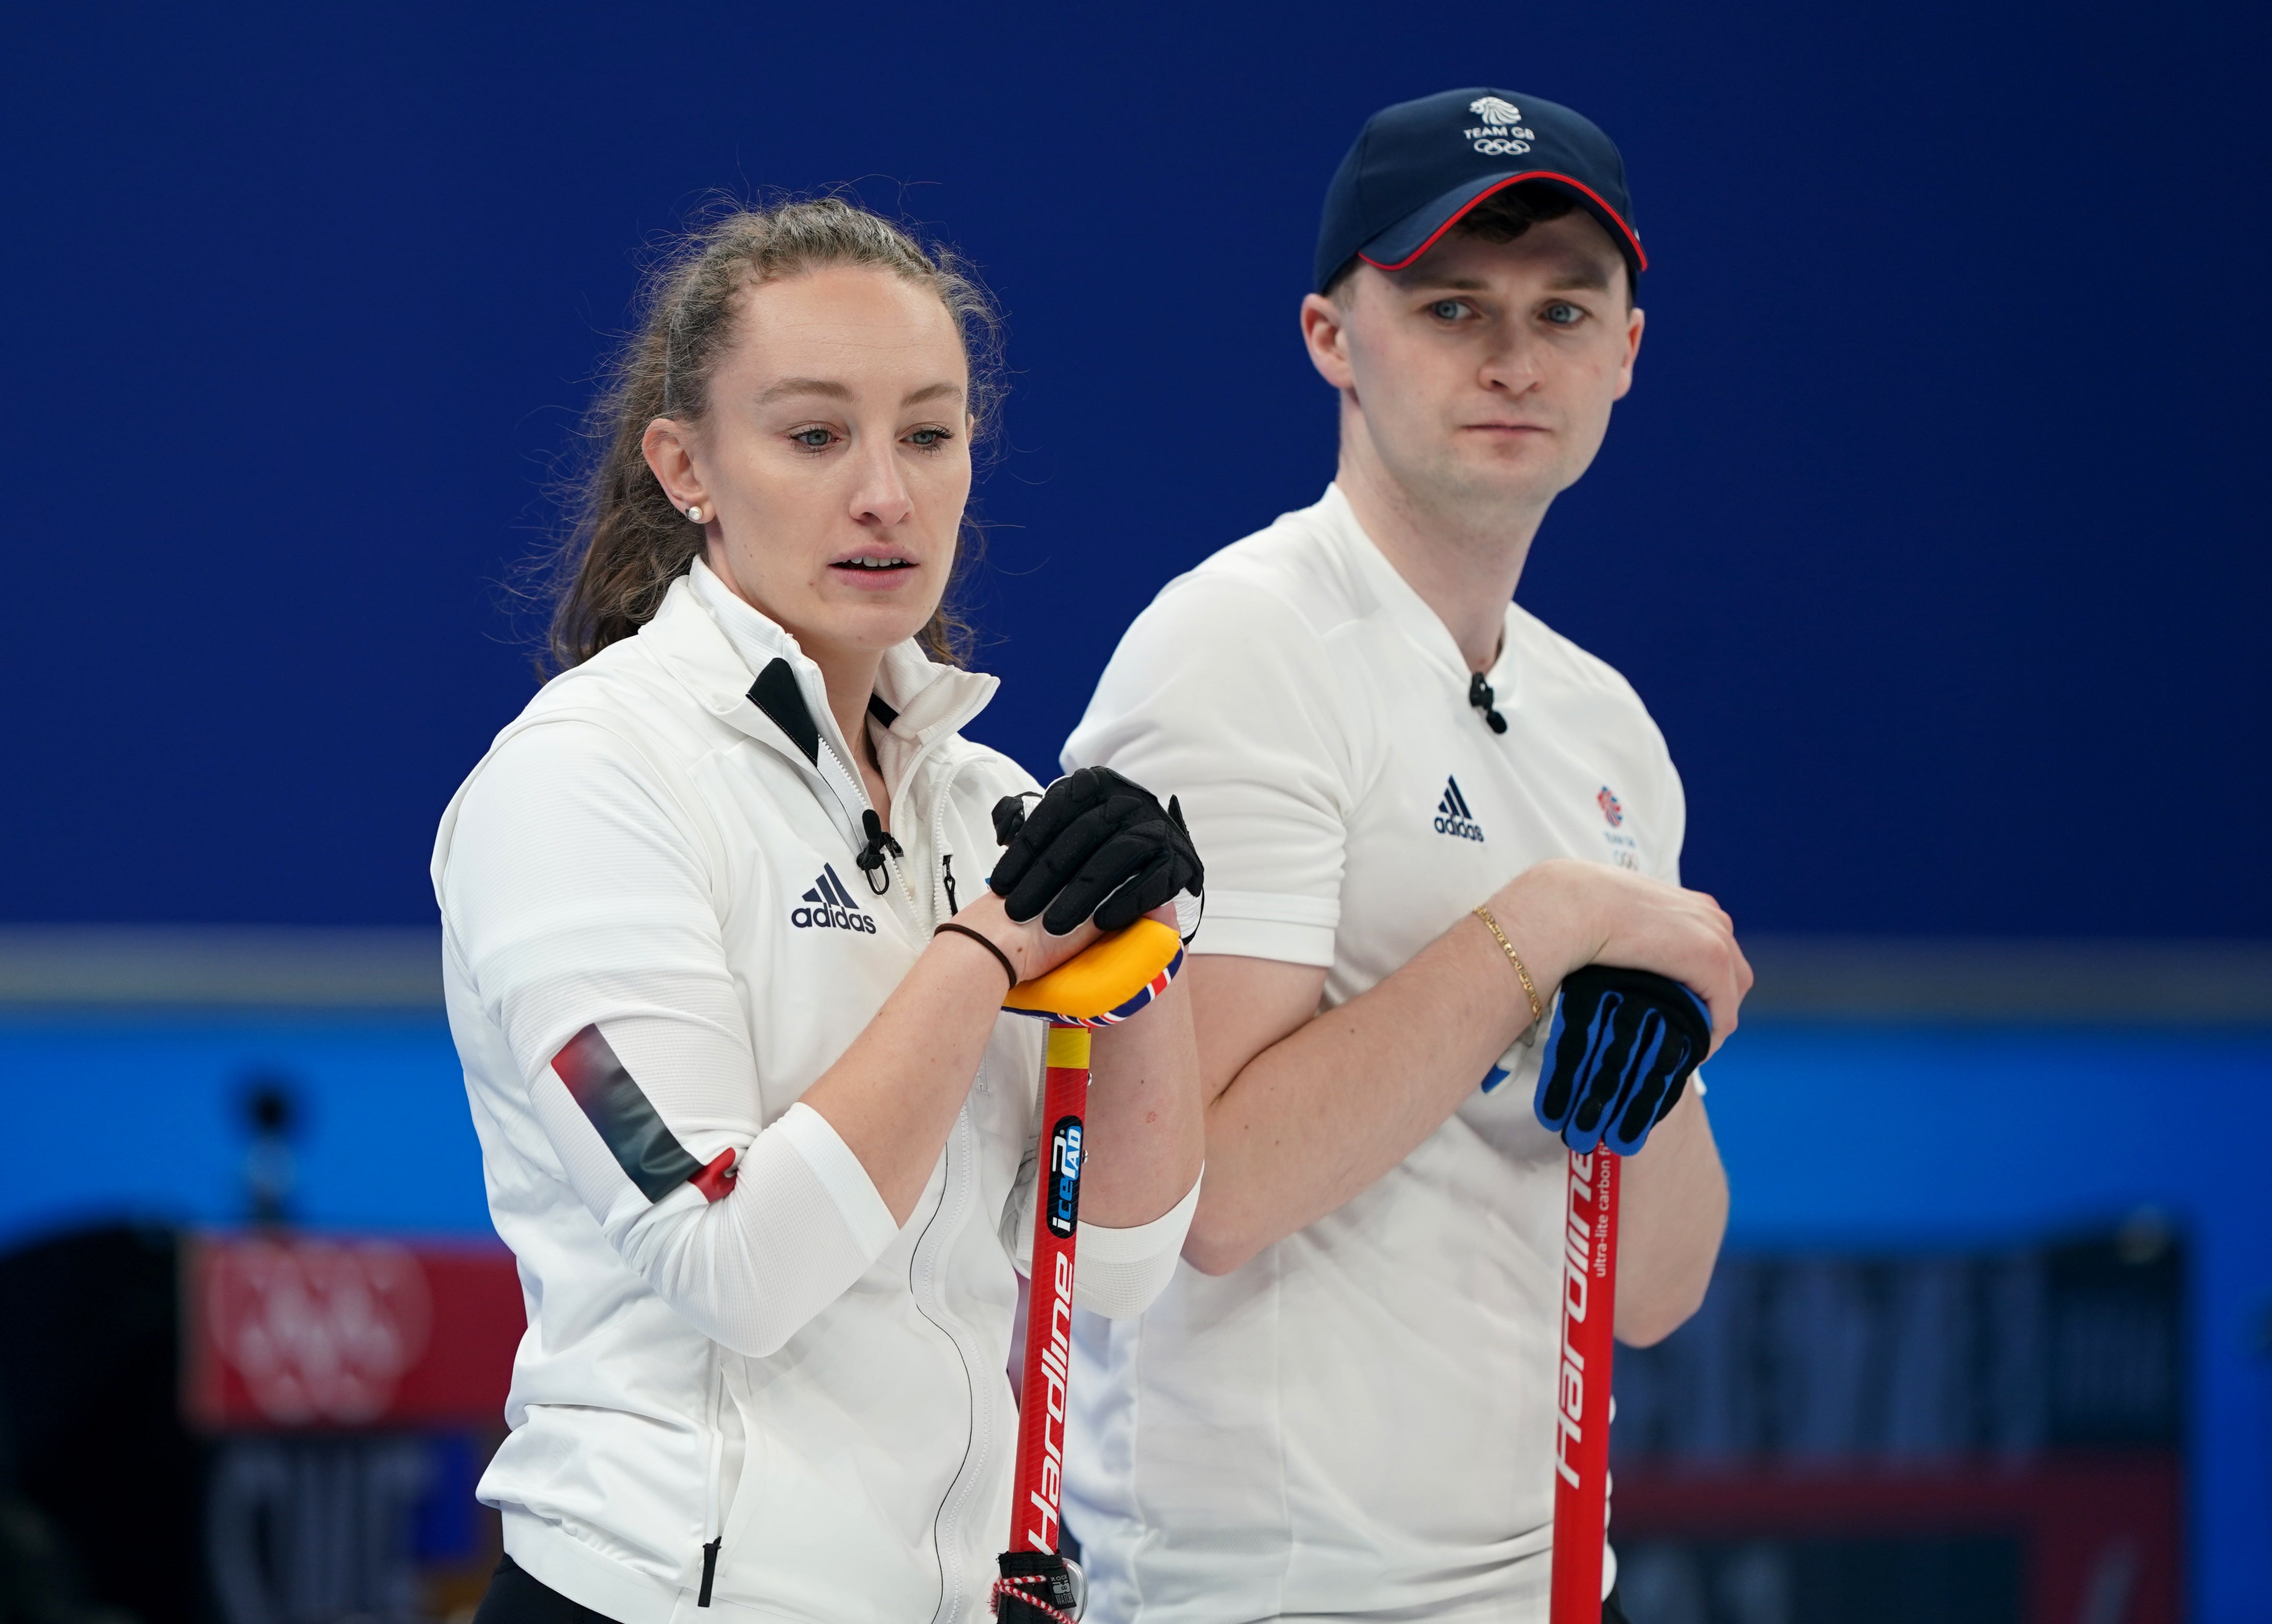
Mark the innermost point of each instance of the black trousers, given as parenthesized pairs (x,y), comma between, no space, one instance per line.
(514,1598)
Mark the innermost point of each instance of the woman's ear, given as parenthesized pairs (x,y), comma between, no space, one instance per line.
(665,447)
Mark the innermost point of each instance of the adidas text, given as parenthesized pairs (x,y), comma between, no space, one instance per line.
(1452,816)
(830,907)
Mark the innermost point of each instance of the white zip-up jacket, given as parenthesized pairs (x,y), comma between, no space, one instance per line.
(745,1392)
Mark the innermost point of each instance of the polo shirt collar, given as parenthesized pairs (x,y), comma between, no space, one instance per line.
(1407,610)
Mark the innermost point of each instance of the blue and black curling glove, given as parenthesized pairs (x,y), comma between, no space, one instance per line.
(1619,1053)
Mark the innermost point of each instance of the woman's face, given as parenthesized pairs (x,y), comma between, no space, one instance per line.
(834,464)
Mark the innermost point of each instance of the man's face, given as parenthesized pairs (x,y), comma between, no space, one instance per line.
(1486,371)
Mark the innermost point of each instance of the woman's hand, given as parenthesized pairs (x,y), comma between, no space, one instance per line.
(1571,914)
(1096,844)
(1029,947)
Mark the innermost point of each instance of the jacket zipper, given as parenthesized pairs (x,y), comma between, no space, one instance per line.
(939,801)
(979,1438)
(858,844)
(979,1444)
(713,1537)
(959,1175)
(938,845)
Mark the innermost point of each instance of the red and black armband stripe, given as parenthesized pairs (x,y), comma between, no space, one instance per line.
(630,1126)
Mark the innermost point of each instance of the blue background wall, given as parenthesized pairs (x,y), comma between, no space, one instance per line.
(1931,533)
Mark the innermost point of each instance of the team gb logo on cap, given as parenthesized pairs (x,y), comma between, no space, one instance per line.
(1501,134)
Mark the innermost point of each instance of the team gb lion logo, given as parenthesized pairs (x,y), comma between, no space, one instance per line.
(1501,134)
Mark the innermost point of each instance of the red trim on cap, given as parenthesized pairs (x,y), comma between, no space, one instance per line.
(1514,179)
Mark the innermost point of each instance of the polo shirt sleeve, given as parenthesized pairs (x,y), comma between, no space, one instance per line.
(1672,815)
(577,898)
(1223,695)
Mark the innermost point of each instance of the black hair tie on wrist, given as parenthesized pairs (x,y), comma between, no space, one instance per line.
(1008,968)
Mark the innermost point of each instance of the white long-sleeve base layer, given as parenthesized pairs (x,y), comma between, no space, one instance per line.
(739,1371)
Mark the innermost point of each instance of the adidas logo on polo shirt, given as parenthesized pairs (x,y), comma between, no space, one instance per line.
(1452,816)
(832,907)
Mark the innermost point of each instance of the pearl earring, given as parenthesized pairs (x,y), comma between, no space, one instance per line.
(695,513)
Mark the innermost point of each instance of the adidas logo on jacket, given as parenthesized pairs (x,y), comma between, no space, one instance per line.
(832,907)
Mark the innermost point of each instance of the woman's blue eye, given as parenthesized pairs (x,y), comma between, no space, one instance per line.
(812,439)
(926,438)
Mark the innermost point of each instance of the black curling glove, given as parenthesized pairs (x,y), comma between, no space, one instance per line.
(1623,1045)
(1096,844)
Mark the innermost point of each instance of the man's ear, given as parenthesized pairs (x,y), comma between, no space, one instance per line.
(665,447)
(1324,330)
(1634,321)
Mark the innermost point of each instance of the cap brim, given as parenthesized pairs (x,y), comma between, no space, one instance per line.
(1420,230)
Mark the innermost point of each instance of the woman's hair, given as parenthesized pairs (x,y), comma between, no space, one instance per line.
(627,542)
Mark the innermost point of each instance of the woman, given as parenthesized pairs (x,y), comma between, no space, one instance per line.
(726,974)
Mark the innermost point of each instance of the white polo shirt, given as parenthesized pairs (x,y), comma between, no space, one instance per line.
(1360,1420)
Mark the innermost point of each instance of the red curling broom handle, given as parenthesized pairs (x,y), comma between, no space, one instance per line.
(1034,1524)
(1581,1440)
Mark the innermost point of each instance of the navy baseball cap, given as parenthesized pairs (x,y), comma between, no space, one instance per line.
(1419,166)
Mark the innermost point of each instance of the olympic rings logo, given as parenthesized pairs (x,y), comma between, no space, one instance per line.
(1499,146)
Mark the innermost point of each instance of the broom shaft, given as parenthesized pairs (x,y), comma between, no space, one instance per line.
(1581,1443)
(1033,1524)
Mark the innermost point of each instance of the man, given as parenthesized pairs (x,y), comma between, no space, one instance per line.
(1344,1405)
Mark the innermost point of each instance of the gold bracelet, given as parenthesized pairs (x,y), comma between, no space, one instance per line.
(1537,1011)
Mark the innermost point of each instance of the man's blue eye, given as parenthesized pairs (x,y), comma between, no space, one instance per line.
(1563,315)
(1448,309)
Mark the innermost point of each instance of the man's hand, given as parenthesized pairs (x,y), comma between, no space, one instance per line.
(1565,913)
(1624,1044)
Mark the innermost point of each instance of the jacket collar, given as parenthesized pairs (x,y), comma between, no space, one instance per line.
(748,671)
